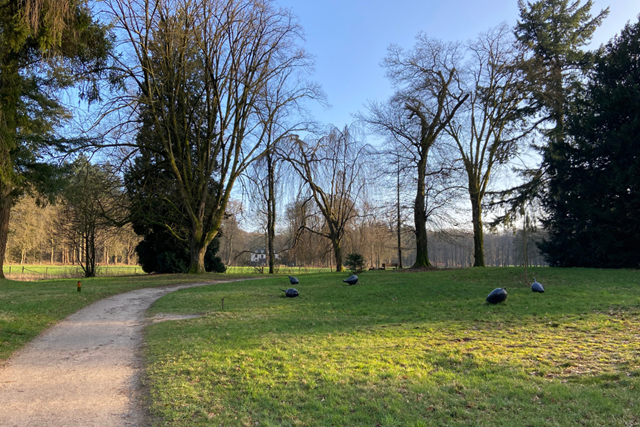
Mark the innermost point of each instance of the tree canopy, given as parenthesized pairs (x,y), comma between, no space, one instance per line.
(201,72)
(45,46)
(551,35)
(594,189)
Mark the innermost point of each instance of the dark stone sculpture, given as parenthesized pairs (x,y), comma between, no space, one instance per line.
(351,280)
(537,287)
(290,293)
(497,295)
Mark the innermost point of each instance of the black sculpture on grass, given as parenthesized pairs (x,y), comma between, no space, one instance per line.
(536,286)
(293,280)
(290,293)
(497,295)
(351,280)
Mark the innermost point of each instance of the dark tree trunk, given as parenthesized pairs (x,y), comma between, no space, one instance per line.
(5,213)
(197,251)
(271,212)
(337,251)
(478,235)
(9,97)
(420,218)
(90,253)
(399,220)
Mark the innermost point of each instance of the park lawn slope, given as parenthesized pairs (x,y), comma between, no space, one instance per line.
(402,349)
(27,308)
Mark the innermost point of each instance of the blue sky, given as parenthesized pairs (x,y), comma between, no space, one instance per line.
(349,38)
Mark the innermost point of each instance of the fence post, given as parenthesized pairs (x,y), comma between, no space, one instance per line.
(23,269)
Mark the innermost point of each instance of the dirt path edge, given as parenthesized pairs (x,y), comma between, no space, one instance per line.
(86,370)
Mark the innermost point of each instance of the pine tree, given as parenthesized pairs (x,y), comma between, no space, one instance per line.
(594,192)
(45,46)
(551,35)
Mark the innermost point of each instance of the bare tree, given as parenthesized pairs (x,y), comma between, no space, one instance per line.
(266,175)
(88,203)
(333,169)
(200,73)
(426,99)
(303,247)
(264,180)
(230,231)
(488,129)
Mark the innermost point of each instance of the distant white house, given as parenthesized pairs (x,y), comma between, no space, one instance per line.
(259,257)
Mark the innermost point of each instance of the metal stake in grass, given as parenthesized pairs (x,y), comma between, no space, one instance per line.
(222,304)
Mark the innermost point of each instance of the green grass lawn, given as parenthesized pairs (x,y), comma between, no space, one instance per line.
(278,270)
(33,272)
(27,308)
(403,349)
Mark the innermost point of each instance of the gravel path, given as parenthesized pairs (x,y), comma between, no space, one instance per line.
(84,371)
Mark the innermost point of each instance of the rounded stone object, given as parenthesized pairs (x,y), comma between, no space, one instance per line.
(351,280)
(497,295)
(293,280)
(291,292)
(536,286)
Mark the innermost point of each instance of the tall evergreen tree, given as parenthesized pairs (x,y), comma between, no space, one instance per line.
(158,217)
(594,187)
(552,35)
(45,46)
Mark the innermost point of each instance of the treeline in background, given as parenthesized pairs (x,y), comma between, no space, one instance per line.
(513,147)
(376,240)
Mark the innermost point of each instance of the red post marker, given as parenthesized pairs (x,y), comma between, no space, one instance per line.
(79,286)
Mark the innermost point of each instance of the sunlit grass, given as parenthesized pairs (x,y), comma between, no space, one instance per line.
(404,349)
(44,271)
(31,272)
(27,308)
(278,270)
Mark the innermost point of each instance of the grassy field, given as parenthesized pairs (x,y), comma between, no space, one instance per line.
(402,349)
(31,272)
(278,270)
(27,308)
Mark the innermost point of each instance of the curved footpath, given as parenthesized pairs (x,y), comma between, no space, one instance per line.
(84,371)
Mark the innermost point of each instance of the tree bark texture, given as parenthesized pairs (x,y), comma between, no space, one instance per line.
(420,218)
(5,213)
(271,212)
(399,220)
(337,251)
(197,250)
(478,234)
(90,253)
